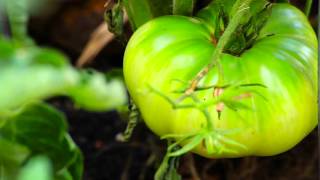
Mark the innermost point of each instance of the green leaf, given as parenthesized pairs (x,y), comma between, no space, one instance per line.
(37,168)
(160,7)
(64,174)
(183,7)
(17,12)
(43,130)
(192,143)
(257,6)
(307,7)
(138,11)
(212,15)
(32,74)
(92,92)
(76,168)
(142,11)
(12,155)
(168,168)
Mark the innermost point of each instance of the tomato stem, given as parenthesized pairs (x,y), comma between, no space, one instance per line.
(308,7)
(168,166)
(183,7)
(240,8)
(134,116)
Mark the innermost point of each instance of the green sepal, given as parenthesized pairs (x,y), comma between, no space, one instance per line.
(183,7)
(114,19)
(142,11)
(168,168)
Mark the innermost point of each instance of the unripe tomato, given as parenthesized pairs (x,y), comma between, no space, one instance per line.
(283,59)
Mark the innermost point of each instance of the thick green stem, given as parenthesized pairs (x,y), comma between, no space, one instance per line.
(168,167)
(308,7)
(183,7)
(139,12)
(18,17)
(142,11)
(134,116)
(240,8)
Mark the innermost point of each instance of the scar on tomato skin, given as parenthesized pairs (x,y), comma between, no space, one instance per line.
(217,91)
(213,40)
(194,82)
(220,106)
(243,96)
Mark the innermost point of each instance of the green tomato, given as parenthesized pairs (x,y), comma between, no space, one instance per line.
(283,59)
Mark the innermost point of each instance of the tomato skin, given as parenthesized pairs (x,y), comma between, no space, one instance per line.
(283,58)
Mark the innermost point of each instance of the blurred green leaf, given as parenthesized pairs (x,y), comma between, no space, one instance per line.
(12,155)
(37,168)
(43,130)
(31,74)
(17,12)
(93,93)
(76,168)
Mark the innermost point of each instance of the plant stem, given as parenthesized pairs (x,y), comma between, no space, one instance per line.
(18,18)
(308,7)
(183,7)
(168,167)
(139,12)
(240,8)
(134,116)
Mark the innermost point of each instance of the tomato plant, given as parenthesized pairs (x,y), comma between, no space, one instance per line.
(34,138)
(266,101)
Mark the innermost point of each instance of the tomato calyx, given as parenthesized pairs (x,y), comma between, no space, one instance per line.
(214,140)
(218,15)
